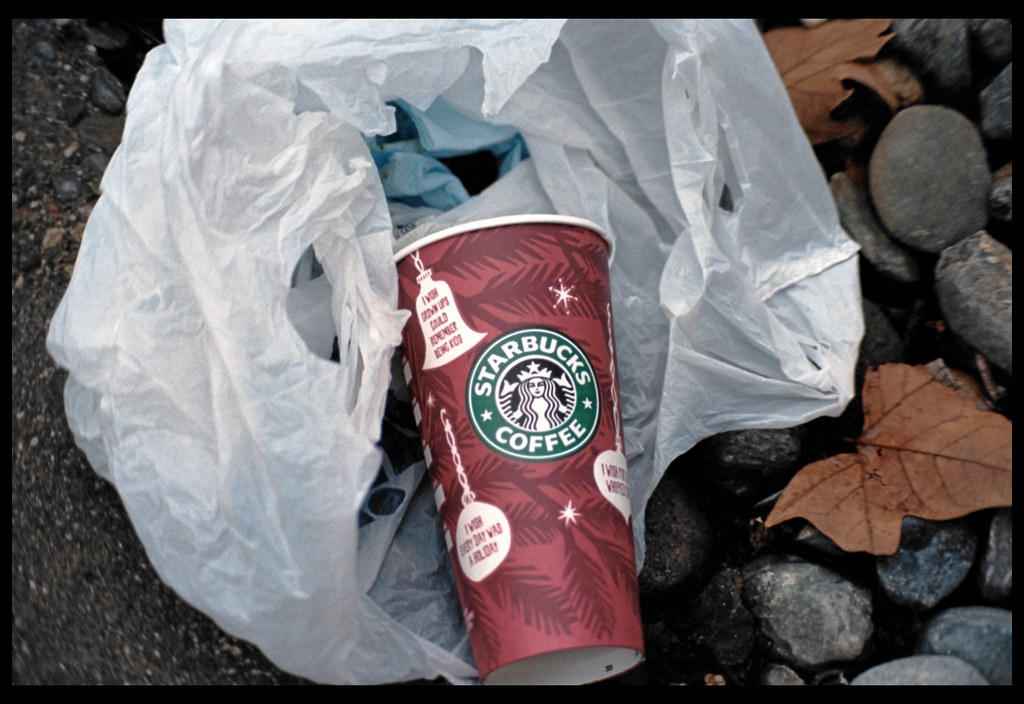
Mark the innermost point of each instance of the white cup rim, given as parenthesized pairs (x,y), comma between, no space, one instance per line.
(499,222)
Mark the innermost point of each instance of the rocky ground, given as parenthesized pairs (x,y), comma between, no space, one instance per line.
(86,605)
(88,608)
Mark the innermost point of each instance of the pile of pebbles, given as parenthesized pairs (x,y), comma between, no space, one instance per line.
(927,193)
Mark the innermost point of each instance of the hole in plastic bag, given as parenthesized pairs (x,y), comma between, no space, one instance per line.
(309,307)
(732,192)
(381,503)
(476,171)
(725,202)
(401,446)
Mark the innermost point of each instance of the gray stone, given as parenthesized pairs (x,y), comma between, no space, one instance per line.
(880,252)
(929,178)
(719,620)
(881,343)
(27,261)
(1000,197)
(980,635)
(97,164)
(974,287)
(995,574)
(107,92)
(66,186)
(679,538)
(939,50)
(922,669)
(933,559)
(102,131)
(992,39)
(104,35)
(74,109)
(997,106)
(747,462)
(811,616)
(811,538)
(44,50)
(777,674)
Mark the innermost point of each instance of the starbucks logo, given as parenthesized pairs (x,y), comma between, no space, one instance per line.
(532,395)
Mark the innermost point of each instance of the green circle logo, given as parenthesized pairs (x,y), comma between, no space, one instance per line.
(532,395)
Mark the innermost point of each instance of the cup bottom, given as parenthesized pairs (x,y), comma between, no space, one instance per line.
(575,666)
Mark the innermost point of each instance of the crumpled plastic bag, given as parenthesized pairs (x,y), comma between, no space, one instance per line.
(198,336)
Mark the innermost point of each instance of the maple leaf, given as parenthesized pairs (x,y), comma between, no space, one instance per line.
(925,451)
(814,62)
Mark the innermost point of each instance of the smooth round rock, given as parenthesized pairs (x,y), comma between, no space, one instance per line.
(104,35)
(883,255)
(718,619)
(933,559)
(777,674)
(1000,199)
(107,92)
(922,669)
(993,39)
(44,50)
(980,635)
(678,538)
(881,343)
(66,186)
(997,106)
(27,261)
(74,109)
(97,164)
(939,50)
(811,615)
(929,178)
(974,287)
(995,573)
(745,463)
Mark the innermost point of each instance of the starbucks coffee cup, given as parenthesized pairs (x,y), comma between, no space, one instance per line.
(510,356)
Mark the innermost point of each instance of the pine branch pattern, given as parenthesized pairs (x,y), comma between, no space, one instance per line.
(561,578)
(534,599)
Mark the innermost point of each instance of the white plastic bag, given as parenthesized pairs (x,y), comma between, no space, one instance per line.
(198,379)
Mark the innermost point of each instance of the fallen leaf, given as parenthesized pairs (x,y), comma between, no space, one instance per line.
(814,62)
(925,451)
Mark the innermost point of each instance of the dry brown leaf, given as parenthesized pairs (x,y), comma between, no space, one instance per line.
(925,451)
(814,62)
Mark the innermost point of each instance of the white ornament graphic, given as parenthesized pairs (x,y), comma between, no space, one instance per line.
(610,473)
(483,535)
(446,336)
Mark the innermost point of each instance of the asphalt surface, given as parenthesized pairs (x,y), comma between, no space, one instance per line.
(86,605)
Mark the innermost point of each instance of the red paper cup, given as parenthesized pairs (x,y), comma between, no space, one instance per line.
(509,354)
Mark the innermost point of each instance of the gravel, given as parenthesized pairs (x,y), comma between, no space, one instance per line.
(86,605)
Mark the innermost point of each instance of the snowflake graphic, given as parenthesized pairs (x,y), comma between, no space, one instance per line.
(562,295)
(568,514)
(430,399)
